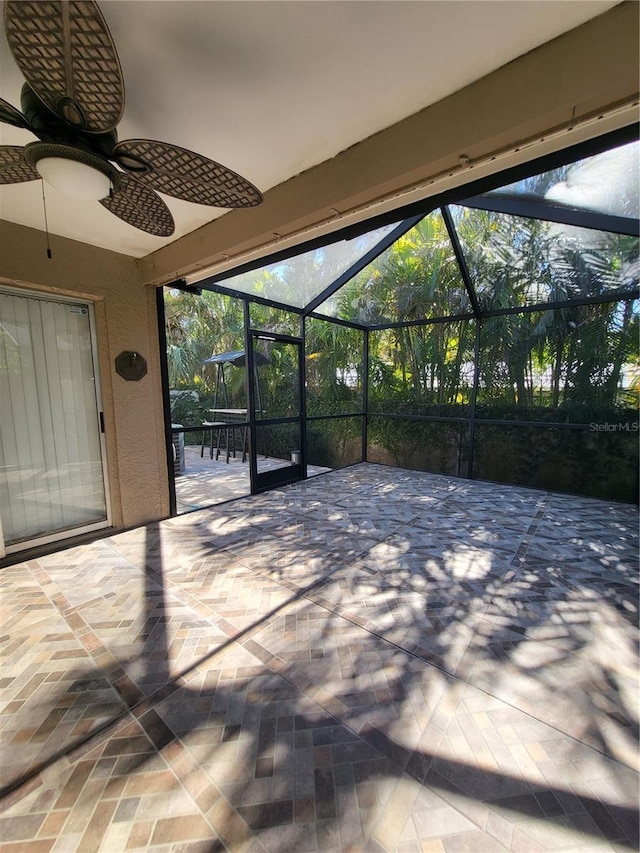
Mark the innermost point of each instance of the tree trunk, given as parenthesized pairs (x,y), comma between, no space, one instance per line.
(557,367)
(618,354)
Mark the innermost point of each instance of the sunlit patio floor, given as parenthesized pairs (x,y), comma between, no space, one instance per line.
(206,481)
(372,660)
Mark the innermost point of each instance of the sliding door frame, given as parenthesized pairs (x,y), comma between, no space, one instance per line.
(69,532)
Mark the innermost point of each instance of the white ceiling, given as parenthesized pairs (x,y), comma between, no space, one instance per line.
(270,88)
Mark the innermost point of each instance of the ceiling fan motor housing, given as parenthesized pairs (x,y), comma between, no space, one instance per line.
(49,127)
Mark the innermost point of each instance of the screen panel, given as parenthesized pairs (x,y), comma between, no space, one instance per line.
(297,280)
(605,183)
(334,358)
(422,370)
(600,461)
(416,278)
(333,443)
(569,365)
(514,261)
(436,447)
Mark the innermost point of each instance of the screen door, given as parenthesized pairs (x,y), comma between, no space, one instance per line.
(277,446)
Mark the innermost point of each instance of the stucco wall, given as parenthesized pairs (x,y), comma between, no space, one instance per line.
(125,320)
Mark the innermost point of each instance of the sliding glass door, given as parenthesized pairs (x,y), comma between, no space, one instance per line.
(52,481)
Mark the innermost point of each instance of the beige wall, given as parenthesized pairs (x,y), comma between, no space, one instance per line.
(125,320)
(579,75)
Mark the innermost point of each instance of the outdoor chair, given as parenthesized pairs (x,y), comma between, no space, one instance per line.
(216,427)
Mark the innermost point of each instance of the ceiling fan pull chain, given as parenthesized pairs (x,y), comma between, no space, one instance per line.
(46,222)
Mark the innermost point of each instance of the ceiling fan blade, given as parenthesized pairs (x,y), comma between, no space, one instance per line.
(14,169)
(10,115)
(67,56)
(183,174)
(141,207)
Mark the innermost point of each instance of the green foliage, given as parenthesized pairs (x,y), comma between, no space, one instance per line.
(270,319)
(566,359)
(196,328)
(558,357)
(334,356)
(334,443)
(278,440)
(598,464)
(418,366)
(191,409)
(415,279)
(440,448)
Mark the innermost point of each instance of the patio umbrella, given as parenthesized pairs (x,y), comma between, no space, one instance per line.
(236,358)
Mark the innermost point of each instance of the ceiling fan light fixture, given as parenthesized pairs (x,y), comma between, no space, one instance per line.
(73,171)
(74,179)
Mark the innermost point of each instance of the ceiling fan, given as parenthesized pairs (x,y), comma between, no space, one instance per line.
(72,100)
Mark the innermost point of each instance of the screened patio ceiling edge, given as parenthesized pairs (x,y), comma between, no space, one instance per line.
(474,196)
(466,195)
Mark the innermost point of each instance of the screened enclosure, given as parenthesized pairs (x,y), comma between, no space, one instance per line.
(493,336)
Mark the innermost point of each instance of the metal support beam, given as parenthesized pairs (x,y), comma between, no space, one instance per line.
(166,405)
(362,262)
(251,398)
(302,369)
(460,258)
(533,207)
(474,397)
(365,394)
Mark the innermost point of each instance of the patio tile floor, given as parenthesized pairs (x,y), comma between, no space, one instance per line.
(372,660)
(207,481)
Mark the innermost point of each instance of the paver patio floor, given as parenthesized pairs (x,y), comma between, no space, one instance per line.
(206,480)
(371,660)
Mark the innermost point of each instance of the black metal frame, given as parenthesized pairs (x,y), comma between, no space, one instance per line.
(261,300)
(530,207)
(365,396)
(262,481)
(474,397)
(338,321)
(430,321)
(613,296)
(460,259)
(164,378)
(472,420)
(470,195)
(362,262)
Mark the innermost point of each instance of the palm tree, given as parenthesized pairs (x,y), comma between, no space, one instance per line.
(196,328)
